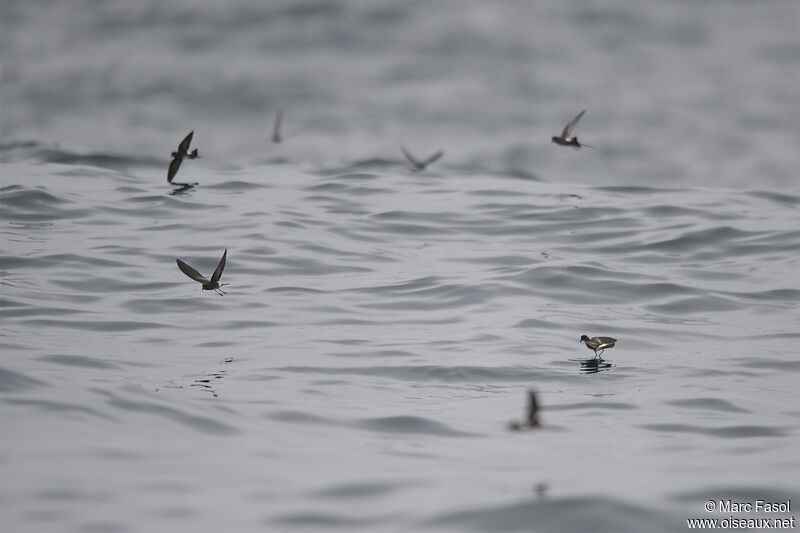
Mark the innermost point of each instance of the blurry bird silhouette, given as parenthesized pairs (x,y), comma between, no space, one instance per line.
(276,128)
(532,420)
(419,165)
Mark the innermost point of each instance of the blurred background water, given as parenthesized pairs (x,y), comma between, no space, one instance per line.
(382,326)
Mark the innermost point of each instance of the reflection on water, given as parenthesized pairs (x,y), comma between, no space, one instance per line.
(206,382)
(182,188)
(594,365)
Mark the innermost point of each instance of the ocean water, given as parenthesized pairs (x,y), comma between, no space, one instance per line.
(382,327)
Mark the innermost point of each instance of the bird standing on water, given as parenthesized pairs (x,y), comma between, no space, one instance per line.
(180,155)
(565,139)
(418,165)
(598,343)
(212,284)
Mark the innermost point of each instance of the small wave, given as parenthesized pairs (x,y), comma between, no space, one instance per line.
(59,408)
(722,432)
(96,325)
(781,198)
(11,381)
(322,519)
(82,361)
(709,404)
(404,424)
(425,373)
(23,204)
(581,406)
(596,514)
(199,423)
(410,425)
(358,490)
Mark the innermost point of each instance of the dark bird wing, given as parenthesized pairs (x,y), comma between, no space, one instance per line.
(433,158)
(220,267)
(411,159)
(184,146)
(192,273)
(605,341)
(571,126)
(174,165)
(276,127)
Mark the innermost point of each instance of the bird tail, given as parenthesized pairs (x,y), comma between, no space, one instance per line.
(193,154)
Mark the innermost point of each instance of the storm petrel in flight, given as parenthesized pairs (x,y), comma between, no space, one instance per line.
(565,139)
(416,164)
(180,155)
(212,284)
(532,420)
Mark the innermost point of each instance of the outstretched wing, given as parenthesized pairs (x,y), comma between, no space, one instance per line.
(411,159)
(571,126)
(192,273)
(174,165)
(220,267)
(184,146)
(433,158)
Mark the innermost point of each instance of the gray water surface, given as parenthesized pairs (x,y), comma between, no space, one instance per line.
(381,326)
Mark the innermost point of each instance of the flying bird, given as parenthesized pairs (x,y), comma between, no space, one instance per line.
(598,343)
(416,164)
(212,284)
(180,155)
(532,420)
(565,139)
(276,128)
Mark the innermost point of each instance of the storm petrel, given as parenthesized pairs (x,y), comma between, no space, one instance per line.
(180,155)
(416,164)
(598,343)
(212,284)
(565,139)
(532,420)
